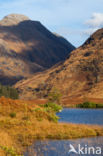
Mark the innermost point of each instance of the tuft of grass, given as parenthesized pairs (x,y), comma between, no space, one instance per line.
(25,118)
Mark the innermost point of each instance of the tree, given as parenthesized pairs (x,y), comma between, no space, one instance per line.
(55,96)
(8,92)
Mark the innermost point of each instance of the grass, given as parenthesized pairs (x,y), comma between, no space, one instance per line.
(34,122)
(89,105)
(9,151)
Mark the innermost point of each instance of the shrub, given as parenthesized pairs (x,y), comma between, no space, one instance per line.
(52,106)
(99,105)
(12,114)
(46,113)
(10,151)
(53,118)
(8,92)
(40,114)
(89,105)
(55,96)
(37,109)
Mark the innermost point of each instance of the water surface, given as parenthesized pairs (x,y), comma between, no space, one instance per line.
(82,116)
(61,147)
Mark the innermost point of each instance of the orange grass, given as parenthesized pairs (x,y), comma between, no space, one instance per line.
(20,131)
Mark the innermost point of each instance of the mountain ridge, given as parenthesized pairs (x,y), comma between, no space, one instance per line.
(27,47)
(79,76)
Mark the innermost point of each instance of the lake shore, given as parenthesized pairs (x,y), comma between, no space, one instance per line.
(22,122)
(72,102)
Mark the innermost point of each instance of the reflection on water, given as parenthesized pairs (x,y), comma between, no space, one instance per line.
(61,147)
(86,116)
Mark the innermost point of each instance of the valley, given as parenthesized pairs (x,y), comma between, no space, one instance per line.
(50,91)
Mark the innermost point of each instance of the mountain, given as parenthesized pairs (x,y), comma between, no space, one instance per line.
(27,47)
(79,76)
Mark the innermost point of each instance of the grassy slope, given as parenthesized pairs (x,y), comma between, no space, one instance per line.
(32,122)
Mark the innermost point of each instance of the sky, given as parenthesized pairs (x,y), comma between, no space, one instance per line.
(76,20)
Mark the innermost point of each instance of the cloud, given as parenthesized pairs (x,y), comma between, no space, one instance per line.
(94,23)
(62,16)
(96,20)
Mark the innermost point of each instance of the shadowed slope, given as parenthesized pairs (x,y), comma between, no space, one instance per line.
(81,75)
(27,47)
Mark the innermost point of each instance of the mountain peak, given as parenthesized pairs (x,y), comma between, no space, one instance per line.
(79,76)
(27,47)
(13,19)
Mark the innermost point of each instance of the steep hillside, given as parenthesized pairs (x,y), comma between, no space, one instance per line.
(27,47)
(81,75)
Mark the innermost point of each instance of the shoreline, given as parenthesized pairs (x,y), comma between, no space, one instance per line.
(23,122)
(53,131)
